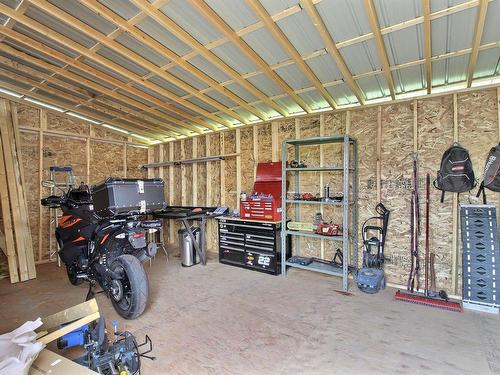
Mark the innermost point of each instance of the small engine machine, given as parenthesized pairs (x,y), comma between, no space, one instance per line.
(371,277)
(122,356)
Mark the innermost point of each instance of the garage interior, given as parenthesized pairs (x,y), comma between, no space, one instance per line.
(314,110)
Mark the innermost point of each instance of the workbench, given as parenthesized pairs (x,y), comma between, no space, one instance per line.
(185,214)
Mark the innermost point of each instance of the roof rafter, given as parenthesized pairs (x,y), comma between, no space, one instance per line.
(180,33)
(332,48)
(379,42)
(427,43)
(476,42)
(66,107)
(102,38)
(23,39)
(231,35)
(103,11)
(46,78)
(280,36)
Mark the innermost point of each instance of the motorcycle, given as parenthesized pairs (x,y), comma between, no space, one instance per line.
(104,251)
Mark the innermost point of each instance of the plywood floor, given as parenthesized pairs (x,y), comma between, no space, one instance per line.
(219,319)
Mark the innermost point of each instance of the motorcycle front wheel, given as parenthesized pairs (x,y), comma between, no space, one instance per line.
(129,294)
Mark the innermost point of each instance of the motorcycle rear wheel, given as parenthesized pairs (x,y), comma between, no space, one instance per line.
(72,276)
(133,295)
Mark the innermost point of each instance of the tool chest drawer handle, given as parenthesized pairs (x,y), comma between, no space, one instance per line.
(251,226)
(231,248)
(259,248)
(259,241)
(251,236)
(232,233)
(231,242)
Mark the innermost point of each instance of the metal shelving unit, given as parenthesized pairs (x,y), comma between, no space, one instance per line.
(349,205)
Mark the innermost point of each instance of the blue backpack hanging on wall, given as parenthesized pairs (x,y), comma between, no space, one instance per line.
(455,173)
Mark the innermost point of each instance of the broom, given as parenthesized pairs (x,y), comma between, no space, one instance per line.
(426,299)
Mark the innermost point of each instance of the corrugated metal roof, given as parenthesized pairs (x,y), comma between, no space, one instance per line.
(90,77)
(119,59)
(183,14)
(42,39)
(289,104)
(342,94)
(233,57)
(301,33)
(454,32)
(221,98)
(409,79)
(32,52)
(361,57)
(152,93)
(491,31)
(266,85)
(405,45)
(437,5)
(389,12)
(62,28)
(201,104)
(245,114)
(11,3)
(84,14)
(314,99)
(104,69)
(488,63)
(294,77)
(241,92)
(324,68)
(344,19)
(26,63)
(167,85)
(5,78)
(276,6)
(124,9)
(187,77)
(262,42)
(268,111)
(148,53)
(235,13)
(374,86)
(208,68)
(449,71)
(169,40)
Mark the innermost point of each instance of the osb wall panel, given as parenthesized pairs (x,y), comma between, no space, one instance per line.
(28,116)
(478,132)
(67,124)
(264,153)
(396,174)
(478,127)
(230,169)
(106,160)
(248,162)
(187,171)
(30,153)
(364,129)
(60,151)
(136,157)
(435,135)
(100,132)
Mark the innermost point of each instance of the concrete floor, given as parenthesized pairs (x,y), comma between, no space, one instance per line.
(219,319)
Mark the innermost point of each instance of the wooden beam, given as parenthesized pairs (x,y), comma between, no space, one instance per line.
(379,154)
(332,48)
(131,55)
(68,328)
(21,190)
(379,42)
(283,41)
(275,146)
(476,42)
(427,43)
(175,59)
(238,165)
(12,181)
(171,227)
(8,230)
(175,29)
(99,88)
(64,106)
(255,150)
(194,167)
(498,112)
(43,126)
(87,69)
(150,132)
(233,37)
(222,172)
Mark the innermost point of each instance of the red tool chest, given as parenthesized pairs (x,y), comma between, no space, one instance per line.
(265,202)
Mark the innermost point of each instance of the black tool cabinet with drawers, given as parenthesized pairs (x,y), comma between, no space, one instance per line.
(251,244)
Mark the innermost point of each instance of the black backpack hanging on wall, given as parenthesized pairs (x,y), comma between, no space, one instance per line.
(455,173)
(491,179)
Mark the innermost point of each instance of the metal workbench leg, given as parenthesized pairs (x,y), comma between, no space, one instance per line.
(345,219)
(283,206)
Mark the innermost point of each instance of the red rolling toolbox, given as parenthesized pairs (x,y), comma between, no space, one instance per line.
(265,202)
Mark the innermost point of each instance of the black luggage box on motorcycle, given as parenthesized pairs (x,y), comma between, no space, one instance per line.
(117,197)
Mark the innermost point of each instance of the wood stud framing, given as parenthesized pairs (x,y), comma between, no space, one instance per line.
(332,48)
(427,43)
(280,36)
(379,42)
(478,33)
